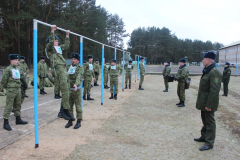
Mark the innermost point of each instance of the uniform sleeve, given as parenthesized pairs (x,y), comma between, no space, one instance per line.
(79,77)
(24,83)
(85,69)
(5,78)
(27,69)
(141,68)
(39,68)
(182,75)
(65,46)
(120,68)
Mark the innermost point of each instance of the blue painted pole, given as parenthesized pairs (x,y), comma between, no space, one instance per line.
(236,72)
(115,57)
(102,74)
(129,57)
(138,68)
(145,66)
(135,68)
(123,72)
(35,57)
(81,63)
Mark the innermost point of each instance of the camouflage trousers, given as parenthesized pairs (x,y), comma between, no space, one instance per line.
(87,85)
(13,100)
(166,83)
(181,91)
(75,98)
(41,83)
(22,94)
(225,88)
(96,76)
(105,79)
(114,83)
(128,77)
(62,76)
(141,79)
(56,85)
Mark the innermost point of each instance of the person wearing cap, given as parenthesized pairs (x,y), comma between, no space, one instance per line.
(128,67)
(106,67)
(182,77)
(166,72)
(75,71)
(208,100)
(96,69)
(142,73)
(11,80)
(24,67)
(226,78)
(114,72)
(42,74)
(88,76)
(57,61)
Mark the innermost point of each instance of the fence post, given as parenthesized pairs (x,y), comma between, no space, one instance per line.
(81,63)
(123,72)
(102,74)
(236,72)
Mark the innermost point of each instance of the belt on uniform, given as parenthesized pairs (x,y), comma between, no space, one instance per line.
(114,76)
(72,89)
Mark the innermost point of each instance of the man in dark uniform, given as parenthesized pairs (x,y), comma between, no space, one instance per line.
(182,77)
(208,100)
(226,78)
(166,72)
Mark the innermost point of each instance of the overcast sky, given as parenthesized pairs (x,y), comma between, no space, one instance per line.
(214,20)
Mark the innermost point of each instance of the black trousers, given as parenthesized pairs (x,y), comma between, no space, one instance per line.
(225,88)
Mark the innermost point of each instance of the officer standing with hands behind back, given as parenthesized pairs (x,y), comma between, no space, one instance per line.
(166,72)
(226,78)
(142,73)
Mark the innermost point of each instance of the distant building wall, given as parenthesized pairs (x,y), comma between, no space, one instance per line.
(230,54)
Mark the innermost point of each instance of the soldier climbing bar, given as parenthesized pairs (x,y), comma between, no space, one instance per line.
(35,55)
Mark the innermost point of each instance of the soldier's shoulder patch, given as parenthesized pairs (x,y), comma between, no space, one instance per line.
(5,76)
(216,80)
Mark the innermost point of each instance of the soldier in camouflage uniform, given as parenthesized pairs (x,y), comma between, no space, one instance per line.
(114,72)
(75,72)
(24,67)
(166,72)
(96,69)
(84,62)
(128,67)
(42,74)
(226,78)
(106,66)
(182,77)
(56,85)
(142,73)
(11,80)
(54,52)
(88,75)
(208,100)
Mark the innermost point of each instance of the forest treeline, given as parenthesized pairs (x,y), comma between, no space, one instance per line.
(160,45)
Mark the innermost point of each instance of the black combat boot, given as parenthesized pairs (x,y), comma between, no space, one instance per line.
(66,111)
(166,90)
(105,86)
(89,98)
(129,86)
(140,88)
(59,95)
(20,121)
(125,87)
(95,84)
(56,96)
(6,125)
(111,96)
(115,96)
(181,104)
(84,97)
(178,103)
(69,124)
(44,91)
(26,96)
(41,92)
(78,124)
(61,114)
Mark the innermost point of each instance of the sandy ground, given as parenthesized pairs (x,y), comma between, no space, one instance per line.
(139,125)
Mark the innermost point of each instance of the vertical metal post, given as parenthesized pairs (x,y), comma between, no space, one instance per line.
(129,57)
(35,57)
(138,68)
(123,72)
(236,72)
(102,74)
(115,57)
(135,68)
(145,66)
(81,63)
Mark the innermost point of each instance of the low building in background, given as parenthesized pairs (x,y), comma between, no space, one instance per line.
(230,53)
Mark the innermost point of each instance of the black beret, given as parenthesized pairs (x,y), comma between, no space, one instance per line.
(130,61)
(114,60)
(227,63)
(89,56)
(96,59)
(42,57)
(47,40)
(168,62)
(75,55)
(13,56)
(210,55)
(141,58)
(107,61)
(22,57)
(84,61)
(183,60)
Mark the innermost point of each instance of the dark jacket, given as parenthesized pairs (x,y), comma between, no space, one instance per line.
(226,75)
(210,85)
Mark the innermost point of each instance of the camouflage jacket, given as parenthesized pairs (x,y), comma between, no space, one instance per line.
(96,67)
(115,70)
(166,71)
(209,87)
(106,69)
(54,56)
(226,75)
(77,76)
(24,67)
(42,69)
(128,68)
(142,68)
(88,70)
(183,73)
(8,80)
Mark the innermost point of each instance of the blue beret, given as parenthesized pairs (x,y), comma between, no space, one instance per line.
(183,60)
(210,55)
(75,55)
(47,40)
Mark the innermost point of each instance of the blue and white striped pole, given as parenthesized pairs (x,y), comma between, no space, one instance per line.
(81,63)
(123,72)
(35,57)
(138,68)
(236,72)
(135,68)
(102,74)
